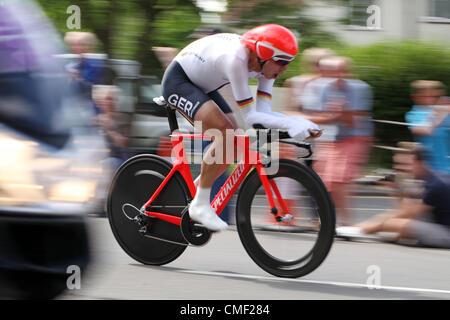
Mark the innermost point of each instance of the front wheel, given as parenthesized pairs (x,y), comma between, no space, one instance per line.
(290,248)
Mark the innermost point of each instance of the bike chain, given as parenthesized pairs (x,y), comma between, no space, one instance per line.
(194,234)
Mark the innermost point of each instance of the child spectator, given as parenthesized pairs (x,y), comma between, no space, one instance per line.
(430,122)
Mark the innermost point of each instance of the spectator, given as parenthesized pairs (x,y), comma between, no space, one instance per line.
(425,220)
(165,55)
(311,103)
(83,70)
(430,122)
(304,98)
(90,69)
(114,127)
(404,183)
(347,102)
(112,124)
(297,85)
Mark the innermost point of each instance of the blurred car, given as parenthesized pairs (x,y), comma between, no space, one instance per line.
(48,166)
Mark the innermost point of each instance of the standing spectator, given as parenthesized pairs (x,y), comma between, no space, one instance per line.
(347,102)
(305,98)
(90,69)
(304,101)
(426,220)
(430,122)
(309,98)
(297,85)
(165,55)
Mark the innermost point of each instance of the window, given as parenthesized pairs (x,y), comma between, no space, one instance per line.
(357,12)
(439,8)
(363,15)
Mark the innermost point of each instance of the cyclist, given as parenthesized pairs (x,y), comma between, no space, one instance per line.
(191,83)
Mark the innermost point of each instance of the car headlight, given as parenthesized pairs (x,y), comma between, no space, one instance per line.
(32,174)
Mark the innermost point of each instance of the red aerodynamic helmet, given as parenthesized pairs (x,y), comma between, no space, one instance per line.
(270,41)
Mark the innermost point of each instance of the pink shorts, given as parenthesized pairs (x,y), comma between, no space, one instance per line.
(341,161)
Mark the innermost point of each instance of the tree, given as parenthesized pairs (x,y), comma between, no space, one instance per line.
(129,29)
(245,15)
(289,13)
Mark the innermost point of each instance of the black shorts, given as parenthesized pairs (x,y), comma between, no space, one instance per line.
(180,92)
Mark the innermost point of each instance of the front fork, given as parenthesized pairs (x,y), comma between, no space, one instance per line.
(268,185)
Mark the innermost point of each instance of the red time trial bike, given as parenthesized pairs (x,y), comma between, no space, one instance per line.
(285,219)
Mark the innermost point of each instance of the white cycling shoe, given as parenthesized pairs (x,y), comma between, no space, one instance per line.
(205,215)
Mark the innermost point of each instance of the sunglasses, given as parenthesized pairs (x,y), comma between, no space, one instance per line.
(281,62)
(265,51)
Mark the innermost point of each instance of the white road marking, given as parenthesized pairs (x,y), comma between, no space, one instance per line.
(333,283)
(356,209)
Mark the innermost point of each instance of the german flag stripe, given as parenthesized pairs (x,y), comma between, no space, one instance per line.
(185,116)
(244,103)
(262,94)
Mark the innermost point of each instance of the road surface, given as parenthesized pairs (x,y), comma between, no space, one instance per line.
(222,270)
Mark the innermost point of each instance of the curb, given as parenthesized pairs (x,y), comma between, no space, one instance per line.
(372,191)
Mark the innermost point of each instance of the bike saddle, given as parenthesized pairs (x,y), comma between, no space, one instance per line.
(160,101)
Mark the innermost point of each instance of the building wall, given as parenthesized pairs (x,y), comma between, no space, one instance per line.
(400,19)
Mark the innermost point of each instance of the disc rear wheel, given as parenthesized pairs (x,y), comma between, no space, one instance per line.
(133,185)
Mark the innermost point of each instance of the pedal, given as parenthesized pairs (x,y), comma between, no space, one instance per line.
(143,230)
(194,233)
(287,218)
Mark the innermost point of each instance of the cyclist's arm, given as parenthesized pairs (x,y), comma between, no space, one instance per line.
(264,95)
(238,76)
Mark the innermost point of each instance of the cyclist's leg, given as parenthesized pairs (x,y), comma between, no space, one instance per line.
(223,105)
(189,99)
(213,163)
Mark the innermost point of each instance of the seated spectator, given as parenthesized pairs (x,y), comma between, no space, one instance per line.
(425,220)
(430,122)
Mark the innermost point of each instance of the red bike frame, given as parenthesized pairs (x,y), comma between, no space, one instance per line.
(229,188)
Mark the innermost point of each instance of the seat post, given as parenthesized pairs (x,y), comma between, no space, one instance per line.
(172,117)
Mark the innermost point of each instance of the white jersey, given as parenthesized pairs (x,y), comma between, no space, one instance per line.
(220,59)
